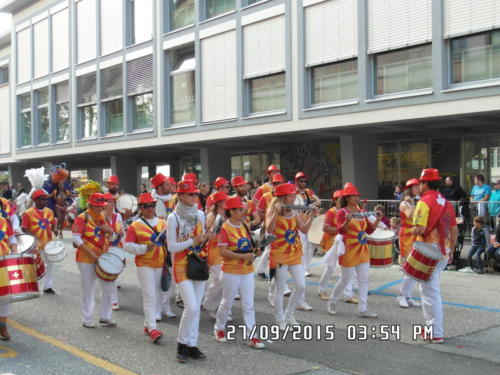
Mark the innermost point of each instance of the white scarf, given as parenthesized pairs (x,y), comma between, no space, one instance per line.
(188,213)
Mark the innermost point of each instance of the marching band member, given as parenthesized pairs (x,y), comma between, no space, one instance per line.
(39,221)
(164,188)
(185,234)
(220,184)
(146,239)
(356,258)
(91,235)
(213,295)
(305,196)
(252,217)
(234,243)
(267,186)
(8,245)
(286,252)
(115,221)
(8,211)
(434,219)
(406,239)
(194,179)
(112,184)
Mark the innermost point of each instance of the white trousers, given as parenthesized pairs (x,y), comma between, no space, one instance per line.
(192,293)
(297,273)
(213,295)
(263,266)
(308,251)
(326,276)
(152,296)
(346,278)
(432,304)
(5,309)
(406,289)
(167,296)
(48,278)
(88,278)
(232,284)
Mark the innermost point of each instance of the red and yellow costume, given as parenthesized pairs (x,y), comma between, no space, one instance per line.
(141,234)
(355,239)
(39,223)
(5,232)
(287,249)
(88,225)
(328,238)
(117,226)
(265,201)
(261,191)
(8,209)
(180,259)
(406,239)
(236,239)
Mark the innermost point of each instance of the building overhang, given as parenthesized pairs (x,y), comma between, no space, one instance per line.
(14,6)
(5,40)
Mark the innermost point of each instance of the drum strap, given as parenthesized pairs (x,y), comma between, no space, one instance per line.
(167,258)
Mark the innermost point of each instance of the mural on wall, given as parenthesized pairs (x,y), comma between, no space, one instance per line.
(319,161)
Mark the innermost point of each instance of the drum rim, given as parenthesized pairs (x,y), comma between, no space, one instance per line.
(26,235)
(373,236)
(20,255)
(114,255)
(428,247)
(61,244)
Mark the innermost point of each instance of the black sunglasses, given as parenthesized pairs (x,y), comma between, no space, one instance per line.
(100,200)
(302,181)
(42,199)
(149,205)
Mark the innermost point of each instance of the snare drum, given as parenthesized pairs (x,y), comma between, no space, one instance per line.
(421,261)
(315,233)
(380,245)
(26,244)
(108,267)
(18,278)
(126,202)
(118,252)
(55,251)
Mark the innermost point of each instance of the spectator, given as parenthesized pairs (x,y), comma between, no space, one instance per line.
(144,189)
(480,235)
(7,192)
(480,193)
(384,219)
(494,208)
(256,184)
(495,241)
(452,190)
(396,228)
(205,189)
(398,192)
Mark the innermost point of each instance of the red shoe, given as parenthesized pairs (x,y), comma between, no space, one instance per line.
(155,335)
(220,336)
(256,343)
(146,331)
(437,340)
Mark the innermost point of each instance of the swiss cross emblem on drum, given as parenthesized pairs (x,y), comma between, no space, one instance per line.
(16,275)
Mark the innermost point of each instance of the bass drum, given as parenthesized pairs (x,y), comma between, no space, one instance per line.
(315,233)
(126,202)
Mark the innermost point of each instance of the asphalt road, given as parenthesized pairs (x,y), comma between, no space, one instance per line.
(47,336)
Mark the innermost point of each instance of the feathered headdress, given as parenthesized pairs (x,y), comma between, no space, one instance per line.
(86,190)
(36,177)
(59,173)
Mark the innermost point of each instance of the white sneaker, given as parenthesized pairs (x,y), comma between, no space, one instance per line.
(229,318)
(169,315)
(88,324)
(411,302)
(292,321)
(332,309)
(256,343)
(282,325)
(307,274)
(305,306)
(367,314)
(115,307)
(270,300)
(287,292)
(402,302)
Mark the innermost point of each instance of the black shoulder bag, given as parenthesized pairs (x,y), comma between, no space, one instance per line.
(166,278)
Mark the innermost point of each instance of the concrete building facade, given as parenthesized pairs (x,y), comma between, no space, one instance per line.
(368,91)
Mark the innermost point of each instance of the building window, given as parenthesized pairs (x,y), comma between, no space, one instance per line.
(182,85)
(62,111)
(24,54)
(111,26)
(86,29)
(41,48)
(216,7)
(476,57)
(141,20)
(112,99)
(334,82)
(267,93)
(25,119)
(60,40)
(87,105)
(250,2)
(403,70)
(43,119)
(4,75)
(140,91)
(181,13)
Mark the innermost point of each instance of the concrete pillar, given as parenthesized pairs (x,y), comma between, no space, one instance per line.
(16,175)
(215,162)
(175,169)
(359,163)
(95,174)
(128,171)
